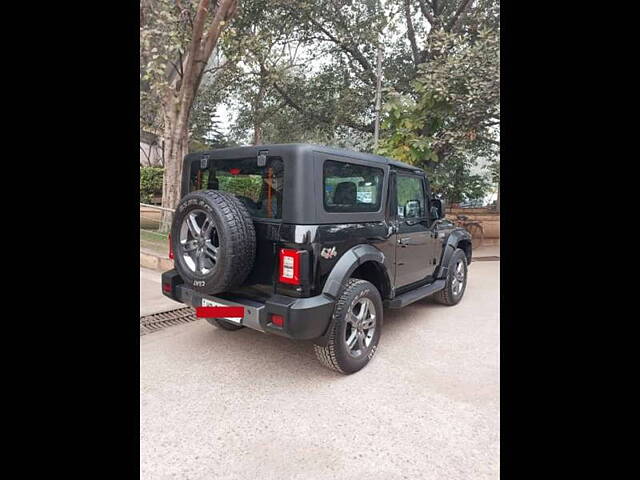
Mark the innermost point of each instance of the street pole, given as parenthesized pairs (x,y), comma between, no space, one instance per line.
(376,131)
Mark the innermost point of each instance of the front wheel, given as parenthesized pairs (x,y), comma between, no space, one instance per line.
(356,328)
(456,284)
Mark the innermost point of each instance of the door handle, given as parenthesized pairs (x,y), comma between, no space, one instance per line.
(403,241)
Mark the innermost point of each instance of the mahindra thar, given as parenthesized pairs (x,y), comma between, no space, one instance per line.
(313,243)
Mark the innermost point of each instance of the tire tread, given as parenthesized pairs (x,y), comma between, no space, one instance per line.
(326,355)
(444,296)
(241,232)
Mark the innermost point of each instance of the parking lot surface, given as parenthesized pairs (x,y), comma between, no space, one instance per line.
(244,405)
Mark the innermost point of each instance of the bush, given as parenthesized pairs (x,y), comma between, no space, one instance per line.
(150,183)
(248,186)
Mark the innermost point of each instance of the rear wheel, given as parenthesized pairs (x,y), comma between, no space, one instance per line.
(224,324)
(356,328)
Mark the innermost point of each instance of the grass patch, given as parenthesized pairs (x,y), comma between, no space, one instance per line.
(157,242)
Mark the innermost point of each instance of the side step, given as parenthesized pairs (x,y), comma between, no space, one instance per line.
(415,295)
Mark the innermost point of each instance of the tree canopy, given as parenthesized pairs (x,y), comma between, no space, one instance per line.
(305,71)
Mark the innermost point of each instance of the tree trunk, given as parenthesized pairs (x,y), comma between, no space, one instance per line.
(257,119)
(176,147)
(172,180)
(257,132)
(180,94)
(257,108)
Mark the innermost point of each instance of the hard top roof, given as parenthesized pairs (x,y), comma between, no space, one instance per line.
(281,148)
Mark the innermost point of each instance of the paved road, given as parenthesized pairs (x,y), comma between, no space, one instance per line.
(245,405)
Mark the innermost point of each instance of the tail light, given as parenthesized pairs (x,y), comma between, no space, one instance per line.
(170,248)
(289,271)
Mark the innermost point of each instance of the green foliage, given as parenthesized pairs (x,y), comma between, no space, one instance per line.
(494,171)
(150,183)
(296,78)
(164,37)
(449,119)
(245,185)
(305,71)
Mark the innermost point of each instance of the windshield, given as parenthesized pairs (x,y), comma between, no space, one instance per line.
(258,188)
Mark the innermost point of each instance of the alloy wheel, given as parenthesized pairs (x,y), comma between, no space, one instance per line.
(198,243)
(458,278)
(361,326)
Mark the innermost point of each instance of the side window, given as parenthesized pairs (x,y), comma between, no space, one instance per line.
(410,195)
(351,188)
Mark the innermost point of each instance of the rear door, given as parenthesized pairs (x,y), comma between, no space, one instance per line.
(414,244)
(260,188)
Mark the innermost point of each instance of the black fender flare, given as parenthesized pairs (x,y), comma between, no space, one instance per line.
(346,265)
(341,272)
(449,246)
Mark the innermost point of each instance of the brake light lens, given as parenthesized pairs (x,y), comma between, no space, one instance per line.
(170,248)
(289,266)
(277,320)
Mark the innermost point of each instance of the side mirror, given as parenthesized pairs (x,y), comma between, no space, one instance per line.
(436,209)
(412,209)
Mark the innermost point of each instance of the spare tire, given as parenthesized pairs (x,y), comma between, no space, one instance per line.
(213,241)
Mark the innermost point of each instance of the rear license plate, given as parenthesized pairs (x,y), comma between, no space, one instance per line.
(211,303)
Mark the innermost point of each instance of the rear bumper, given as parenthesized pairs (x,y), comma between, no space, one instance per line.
(304,318)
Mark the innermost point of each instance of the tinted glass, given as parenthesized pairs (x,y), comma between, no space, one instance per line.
(351,188)
(410,189)
(259,188)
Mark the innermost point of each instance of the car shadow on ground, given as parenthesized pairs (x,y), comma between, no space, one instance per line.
(248,351)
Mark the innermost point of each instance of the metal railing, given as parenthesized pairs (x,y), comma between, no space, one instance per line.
(158,207)
(155,224)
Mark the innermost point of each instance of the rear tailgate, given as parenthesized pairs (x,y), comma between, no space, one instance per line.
(264,272)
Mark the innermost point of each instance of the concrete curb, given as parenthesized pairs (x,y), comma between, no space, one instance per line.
(153,261)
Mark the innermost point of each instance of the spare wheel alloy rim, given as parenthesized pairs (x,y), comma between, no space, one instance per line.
(199,245)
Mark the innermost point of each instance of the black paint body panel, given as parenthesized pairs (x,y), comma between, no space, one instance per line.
(402,257)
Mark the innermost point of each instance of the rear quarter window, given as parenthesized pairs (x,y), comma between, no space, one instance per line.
(348,187)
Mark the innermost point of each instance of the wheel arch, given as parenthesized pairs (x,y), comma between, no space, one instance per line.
(376,274)
(458,238)
(466,246)
(365,261)
(362,261)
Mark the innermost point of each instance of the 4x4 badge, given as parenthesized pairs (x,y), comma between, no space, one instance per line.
(328,253)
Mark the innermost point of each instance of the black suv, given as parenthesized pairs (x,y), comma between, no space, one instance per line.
(310,242)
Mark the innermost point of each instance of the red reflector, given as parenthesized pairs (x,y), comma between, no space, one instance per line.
(289,271)
(234,171)
(277,320)
(170,248)
(219,312)
(166,287)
